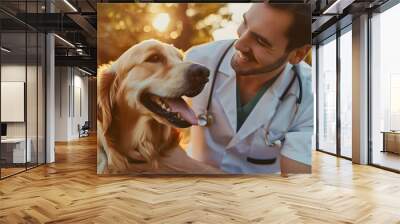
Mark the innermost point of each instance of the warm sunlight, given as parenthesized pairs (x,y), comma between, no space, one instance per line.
(161,21)
(228,31)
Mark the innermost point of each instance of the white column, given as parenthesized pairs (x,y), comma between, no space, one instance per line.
(360,90)
(50,100)
(50,92)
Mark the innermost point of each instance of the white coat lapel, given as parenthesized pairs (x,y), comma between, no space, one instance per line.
(264,110)
(226,92)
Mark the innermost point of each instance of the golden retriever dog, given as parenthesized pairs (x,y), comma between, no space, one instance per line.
(140,107)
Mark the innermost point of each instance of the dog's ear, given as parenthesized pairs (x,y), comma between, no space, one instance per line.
(105,97)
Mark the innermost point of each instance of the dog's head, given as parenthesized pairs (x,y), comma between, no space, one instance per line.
(149,81)
(152,78)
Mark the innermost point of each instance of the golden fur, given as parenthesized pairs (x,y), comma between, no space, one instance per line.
(127,130)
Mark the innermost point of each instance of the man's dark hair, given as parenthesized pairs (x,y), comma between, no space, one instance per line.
(299,33)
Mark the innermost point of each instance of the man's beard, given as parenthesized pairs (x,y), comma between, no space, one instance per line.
(259,71)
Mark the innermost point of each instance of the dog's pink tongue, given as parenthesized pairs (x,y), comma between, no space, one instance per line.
(180,106)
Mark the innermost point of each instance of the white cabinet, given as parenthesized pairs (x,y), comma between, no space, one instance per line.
(16,149)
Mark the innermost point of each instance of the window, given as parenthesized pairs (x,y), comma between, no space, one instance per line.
(385,88)
(334,106)
(327,96)
(346,94)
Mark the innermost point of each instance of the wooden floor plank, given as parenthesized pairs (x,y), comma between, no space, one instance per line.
(69,191)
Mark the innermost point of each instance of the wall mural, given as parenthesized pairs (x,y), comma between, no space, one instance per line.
(201,88)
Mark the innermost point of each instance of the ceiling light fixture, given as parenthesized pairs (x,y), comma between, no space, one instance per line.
(337,7)
(70,5)
(5,50)
(65,41)
(84,71)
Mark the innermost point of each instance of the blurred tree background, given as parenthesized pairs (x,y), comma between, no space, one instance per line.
(121,25)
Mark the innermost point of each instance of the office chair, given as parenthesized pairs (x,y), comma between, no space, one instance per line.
(84,130)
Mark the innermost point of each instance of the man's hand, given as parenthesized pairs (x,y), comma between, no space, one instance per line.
(292,166)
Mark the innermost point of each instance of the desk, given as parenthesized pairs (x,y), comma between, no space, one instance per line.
(13,150)
(391,141)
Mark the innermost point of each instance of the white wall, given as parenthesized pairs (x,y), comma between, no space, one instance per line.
(61,103)
(33,127)
(12,73)
(80,100)
(16,73)
(71,93)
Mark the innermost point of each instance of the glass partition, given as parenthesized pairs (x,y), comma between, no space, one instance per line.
(327,96)
(41,91)
(22,88)
(32,95)
(15,151)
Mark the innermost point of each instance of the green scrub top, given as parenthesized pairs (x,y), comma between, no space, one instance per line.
(243,111)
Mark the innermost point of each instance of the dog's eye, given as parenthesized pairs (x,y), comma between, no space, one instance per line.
(154,58)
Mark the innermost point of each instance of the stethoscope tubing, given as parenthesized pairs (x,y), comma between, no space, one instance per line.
(281,98)
(296,76)
(215,75)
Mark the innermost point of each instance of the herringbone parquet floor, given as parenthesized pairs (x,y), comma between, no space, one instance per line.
(69,191)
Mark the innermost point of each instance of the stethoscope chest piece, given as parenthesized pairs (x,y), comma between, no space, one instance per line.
(272,143)
(205,119)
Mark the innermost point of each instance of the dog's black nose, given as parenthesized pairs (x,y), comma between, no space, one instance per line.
(197,74)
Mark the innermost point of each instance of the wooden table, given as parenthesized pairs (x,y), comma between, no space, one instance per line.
(391,141)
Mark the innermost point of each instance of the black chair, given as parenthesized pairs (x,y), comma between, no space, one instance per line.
(84,130)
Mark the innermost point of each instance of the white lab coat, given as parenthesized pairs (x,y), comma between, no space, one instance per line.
(220,145)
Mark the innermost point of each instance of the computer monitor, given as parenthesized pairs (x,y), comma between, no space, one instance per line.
(3,129)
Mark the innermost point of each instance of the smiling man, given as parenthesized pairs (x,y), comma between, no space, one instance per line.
(256,112)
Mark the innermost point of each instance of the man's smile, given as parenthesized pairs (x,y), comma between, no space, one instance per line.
(243,57)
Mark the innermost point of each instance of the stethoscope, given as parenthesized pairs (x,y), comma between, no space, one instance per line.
(205,119)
